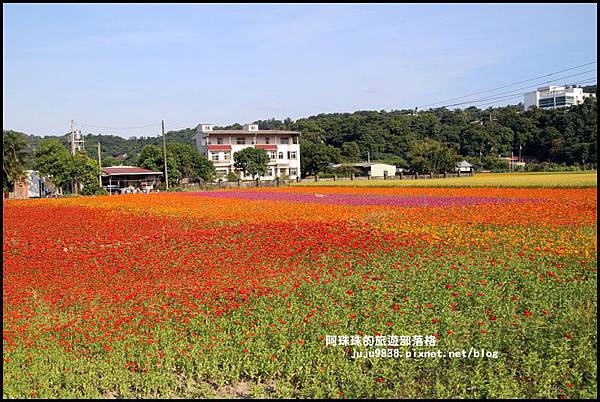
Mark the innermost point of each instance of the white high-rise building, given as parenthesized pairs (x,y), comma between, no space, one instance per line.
(551,97)
(219,146)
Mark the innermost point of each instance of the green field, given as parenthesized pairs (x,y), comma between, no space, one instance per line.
(541,179)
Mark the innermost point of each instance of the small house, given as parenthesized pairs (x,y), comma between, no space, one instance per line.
(116,179)
(464,167)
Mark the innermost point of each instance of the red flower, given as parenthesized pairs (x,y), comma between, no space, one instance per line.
(380,380)
(349,292)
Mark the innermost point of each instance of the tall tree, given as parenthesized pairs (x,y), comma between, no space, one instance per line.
(54,160)
(432,156)
(15,159)
(252,161)
(85,171)
(191,163)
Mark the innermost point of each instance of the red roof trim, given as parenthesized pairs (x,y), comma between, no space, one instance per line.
(267,147)
(219,147)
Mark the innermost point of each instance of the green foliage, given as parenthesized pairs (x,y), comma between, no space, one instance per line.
(151,158)
(15,158)
(85,170)
(191,163)
(566,135)
(432,156)
(315,156)
(350,151)
(183,161)
(551,167)
(54,160)
(252,161)
(232,176)
(344,170)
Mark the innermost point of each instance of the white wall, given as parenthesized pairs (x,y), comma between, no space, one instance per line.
(531,99)
(378,169)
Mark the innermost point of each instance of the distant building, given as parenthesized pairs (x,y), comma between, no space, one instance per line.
(32,186)
(464,167)
(373,169)
(219,146)
(116,179)
(551,97)
(515,162)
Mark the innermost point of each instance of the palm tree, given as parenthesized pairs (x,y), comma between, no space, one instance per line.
(14,159)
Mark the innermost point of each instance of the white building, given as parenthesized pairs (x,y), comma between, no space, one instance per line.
(32,186)
(464,167)
(219,146)
(551,97)
(373,169)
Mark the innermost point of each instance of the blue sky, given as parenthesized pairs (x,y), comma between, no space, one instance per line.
(133,65)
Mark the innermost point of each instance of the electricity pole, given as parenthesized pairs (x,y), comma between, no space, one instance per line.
(99,164)
(72,138)
(165,154)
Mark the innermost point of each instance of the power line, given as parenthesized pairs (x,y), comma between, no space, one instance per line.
(512,91)
(507,97)
(119,128)
(509,85)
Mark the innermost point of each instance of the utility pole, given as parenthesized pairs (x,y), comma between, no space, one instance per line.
(165,154)
(99,164)
(369,156)
(72,138)
(74,184)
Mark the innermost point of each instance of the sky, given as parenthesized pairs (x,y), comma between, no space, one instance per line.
(133,65)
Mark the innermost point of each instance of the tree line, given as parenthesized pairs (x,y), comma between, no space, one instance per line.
(404,138)
(80,172)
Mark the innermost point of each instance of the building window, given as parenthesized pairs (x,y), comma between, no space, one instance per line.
(220,140)
(281,155)
(547,102)
(291,154)
(271,155)
(285,141)
(295,139)
(215,157)
(267,140)
(293,172)
(240,141)
(227,155)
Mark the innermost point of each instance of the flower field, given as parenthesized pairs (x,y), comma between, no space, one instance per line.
(531,179)
(240,293)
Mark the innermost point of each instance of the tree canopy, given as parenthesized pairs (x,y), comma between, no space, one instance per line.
(183,161)
(54,160)
(252,161)
(14,162)
(566,135)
